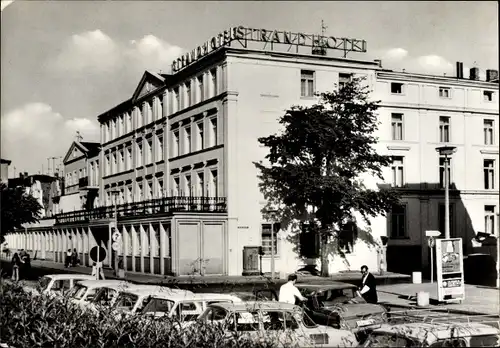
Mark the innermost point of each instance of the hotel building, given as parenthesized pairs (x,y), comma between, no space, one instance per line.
(177,157)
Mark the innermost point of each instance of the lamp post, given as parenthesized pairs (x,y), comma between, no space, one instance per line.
(446,151)
(272,215)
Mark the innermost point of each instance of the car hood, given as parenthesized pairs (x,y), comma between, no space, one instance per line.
(356,310)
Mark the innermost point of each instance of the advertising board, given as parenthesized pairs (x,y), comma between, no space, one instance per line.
(450,269)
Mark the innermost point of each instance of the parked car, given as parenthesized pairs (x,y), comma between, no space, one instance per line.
(85,290)
(286,324)
(184,307)
(474,334)
(57,284)
(336,304)
(107,296)
(480,269)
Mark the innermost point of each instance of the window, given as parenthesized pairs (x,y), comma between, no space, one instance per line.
(139,155)
(397,172)
(344,79)
(159,187)
(441,172)
(139,192)
(187,139)
(159,148)
(121,161)
(200,190)
(396,88)
(306,83)
(139,118)
(278,320)
(114,164)
(175,187)
(149,192)
(488,132)
(149,111)
(444,129)
(188,94)
(442,217)
(107,164)
(213,131)
(121,130)
(488,96)
(201,89)
(214,190)
(398,221)
(175,144)
(201,137)
(213,75)
(489,174)
(266,238)
(188,185)
(129,122)
(397,126)
(444,92)
(177,100)
(129,158)
(149,151)
(489,219)
(128,194)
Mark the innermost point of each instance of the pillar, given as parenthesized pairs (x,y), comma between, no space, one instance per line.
(163,245)
(152,247)
(45,244)
(135,247)
(125,247)
(143,237)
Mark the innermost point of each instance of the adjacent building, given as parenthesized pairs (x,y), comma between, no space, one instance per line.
(4,165)
(176,158)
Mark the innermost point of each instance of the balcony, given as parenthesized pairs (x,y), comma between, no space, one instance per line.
(147,208)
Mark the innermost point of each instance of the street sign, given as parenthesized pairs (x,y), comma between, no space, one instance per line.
(450,269)
(97,254)
(432,233)
(116,236)
(431,242)
(116,246)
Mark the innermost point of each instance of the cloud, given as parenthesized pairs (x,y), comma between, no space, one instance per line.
(94,51)
(35,131)
(396,53)
(88,51)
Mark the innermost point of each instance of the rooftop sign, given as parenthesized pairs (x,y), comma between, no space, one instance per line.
(243,35)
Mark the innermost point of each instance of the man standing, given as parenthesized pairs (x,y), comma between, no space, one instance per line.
(368,288)
(288,291)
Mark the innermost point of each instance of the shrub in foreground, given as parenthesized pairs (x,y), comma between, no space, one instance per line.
(41,321)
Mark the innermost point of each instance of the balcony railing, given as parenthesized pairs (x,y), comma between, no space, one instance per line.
(149,207)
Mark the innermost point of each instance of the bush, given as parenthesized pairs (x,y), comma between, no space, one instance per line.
(42,321)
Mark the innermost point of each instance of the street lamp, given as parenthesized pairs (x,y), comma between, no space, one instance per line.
(272,216)
(446,151)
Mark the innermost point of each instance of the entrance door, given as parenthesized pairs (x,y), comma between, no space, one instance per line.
(213,249)
(189,249)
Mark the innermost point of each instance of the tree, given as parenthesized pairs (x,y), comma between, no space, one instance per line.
(317,161)
(17,208)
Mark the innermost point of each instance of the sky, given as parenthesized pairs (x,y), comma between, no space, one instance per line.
(65,62)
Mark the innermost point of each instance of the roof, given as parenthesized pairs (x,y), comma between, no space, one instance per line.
(104,283)
(189,296)
(333,285)
(252,305)
(88,149)
(156,291)
(70,276)
(430,332)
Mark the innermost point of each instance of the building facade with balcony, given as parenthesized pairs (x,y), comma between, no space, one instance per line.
(177,159)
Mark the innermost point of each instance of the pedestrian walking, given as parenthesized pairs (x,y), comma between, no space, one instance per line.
(67,261)
(74,258)
(368,288)
(16,264)
(288,291)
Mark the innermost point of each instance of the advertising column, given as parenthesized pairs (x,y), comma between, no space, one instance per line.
(450,269)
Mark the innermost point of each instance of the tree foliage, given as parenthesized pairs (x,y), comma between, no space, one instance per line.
(317,161)
(17,208)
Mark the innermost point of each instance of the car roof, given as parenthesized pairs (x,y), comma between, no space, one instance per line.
(252,305)
(104,283)
(333,285)
(196,297)
(157,291)
(438,331)
(70,276)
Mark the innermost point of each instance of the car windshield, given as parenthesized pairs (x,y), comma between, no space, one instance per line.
(335,296)
(212,314)
(308,322)
(126,301)
(155,305)
(104,296)
(78,292)
(388,340)
(44,282)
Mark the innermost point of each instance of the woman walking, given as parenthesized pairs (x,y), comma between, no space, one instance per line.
(16,264)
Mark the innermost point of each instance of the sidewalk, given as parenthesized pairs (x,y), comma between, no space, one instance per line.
(478,299)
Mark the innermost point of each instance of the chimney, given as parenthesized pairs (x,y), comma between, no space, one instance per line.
(491,75)
(460,70)
(474,74)
(379,62)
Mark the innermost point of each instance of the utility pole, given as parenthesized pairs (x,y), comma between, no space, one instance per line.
(446,151)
